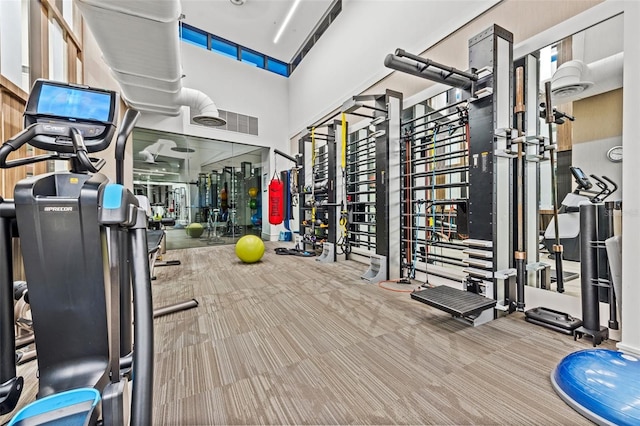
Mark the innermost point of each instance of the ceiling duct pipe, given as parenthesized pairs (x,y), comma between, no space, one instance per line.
(575,80)
(402,61)
(205,111)
(140,43)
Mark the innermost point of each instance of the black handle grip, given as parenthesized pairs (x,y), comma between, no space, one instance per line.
(613,184)
(17,141)
(126,127)
(80,150)
(547,94)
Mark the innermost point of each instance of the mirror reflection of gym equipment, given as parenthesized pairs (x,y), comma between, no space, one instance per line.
(587,80)
(212,189)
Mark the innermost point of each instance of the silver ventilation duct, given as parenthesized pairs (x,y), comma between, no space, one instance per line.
(140,44)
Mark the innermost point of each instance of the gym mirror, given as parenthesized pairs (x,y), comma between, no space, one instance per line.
(585,70)
(207,191)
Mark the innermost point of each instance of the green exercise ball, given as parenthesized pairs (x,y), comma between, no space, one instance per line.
(253,204)
(249,249)
(194,230)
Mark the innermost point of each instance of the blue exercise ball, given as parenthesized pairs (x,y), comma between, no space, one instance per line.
(256,220)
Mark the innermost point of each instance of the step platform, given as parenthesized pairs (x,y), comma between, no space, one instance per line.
(458,303)
(553,320)
(73,407)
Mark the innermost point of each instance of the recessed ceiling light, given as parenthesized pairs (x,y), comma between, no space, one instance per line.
(182,149)
(237,2)
(286,20)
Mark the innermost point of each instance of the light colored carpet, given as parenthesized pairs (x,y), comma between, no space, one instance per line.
(291,341)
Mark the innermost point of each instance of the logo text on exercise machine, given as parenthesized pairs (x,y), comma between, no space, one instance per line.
(57,208)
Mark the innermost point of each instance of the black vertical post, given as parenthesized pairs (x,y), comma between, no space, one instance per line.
(382,183)
(589,267)
(142,393)
(10,385)
(7,337)
(490,180)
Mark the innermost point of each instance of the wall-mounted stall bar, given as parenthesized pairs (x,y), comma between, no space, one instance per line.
(435,173)
(317,177)
(455,158)
(371,182)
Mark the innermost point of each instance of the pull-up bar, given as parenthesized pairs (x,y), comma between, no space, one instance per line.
(288,157)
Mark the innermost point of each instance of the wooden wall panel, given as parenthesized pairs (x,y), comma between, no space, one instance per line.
(564,132)
(598,117)
(12,101)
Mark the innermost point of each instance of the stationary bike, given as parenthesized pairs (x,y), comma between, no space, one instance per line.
(84,248)
(569,213)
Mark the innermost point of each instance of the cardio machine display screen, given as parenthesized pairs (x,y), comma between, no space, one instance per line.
(73,102)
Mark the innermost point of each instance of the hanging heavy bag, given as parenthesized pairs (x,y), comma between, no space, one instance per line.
(276,201)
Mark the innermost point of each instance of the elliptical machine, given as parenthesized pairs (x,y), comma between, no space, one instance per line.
(84,247)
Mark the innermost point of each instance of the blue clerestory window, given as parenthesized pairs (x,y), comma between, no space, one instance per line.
(232,50)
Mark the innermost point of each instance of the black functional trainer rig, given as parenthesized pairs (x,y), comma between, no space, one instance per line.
(84,246)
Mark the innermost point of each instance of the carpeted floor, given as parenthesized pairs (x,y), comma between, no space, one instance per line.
(291,341)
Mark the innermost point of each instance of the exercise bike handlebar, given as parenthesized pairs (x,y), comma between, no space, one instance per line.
(615,187)
(36,129)
(80,151)
(126,127)
(605,191)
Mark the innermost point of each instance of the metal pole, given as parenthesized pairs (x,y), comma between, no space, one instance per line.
(176,307)
(609,207)
(520,254)
(10,385)
(142,393)
(589,267)
(557,247)
(409,67)
(288,157)
(7,337)
(428,62)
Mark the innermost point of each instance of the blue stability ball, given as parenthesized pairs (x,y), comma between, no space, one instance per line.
(601,384)
(249,249)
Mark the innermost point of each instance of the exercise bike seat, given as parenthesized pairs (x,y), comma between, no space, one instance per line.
(73,407)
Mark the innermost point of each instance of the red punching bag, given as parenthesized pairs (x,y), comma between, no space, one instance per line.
(276,202)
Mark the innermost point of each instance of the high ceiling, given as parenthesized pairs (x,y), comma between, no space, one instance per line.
(255,23)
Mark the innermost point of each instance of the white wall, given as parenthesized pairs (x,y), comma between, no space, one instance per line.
(233,86)
(97,74)
(349,56)
(630,178)
(591,157)
(238,87)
